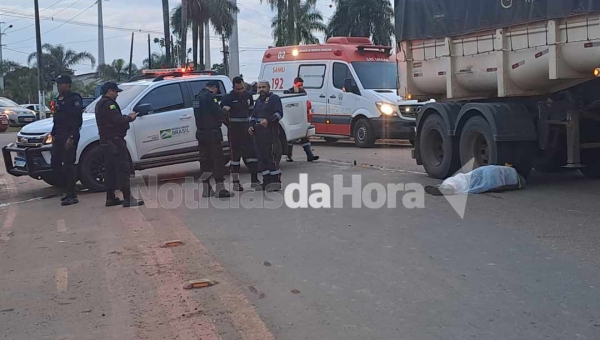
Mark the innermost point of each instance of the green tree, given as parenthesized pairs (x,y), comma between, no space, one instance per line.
(20,82)
(59,60)
(85,90)
(363,18)
(158,61)
(218,68)
(217,12)
(117,71)
(308,21)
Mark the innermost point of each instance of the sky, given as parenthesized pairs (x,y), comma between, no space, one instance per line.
(143,17)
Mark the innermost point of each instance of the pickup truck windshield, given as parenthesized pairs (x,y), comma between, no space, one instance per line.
(130,92)
(376,75)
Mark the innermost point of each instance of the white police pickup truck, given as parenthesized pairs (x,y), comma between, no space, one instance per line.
(166,135)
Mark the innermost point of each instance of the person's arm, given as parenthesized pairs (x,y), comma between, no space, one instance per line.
(115,115)
(213,107)
(277,109)
(77,115)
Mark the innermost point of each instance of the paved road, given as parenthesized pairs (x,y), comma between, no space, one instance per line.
(521,265)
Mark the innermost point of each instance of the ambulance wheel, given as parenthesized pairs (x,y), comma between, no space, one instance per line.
(92,169)
(364,135)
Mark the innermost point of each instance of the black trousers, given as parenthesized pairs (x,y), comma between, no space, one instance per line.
(118,166)
(63,164)
(212,160)
(241,145)
(267,142)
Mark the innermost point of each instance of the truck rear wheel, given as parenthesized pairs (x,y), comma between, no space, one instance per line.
(437,149)
(364,136)
(93,169)
(477,143)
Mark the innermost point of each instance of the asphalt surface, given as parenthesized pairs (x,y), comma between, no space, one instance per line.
(520,265)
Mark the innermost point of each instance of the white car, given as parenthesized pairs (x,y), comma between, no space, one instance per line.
(36,108)
(164,136)
(17,115)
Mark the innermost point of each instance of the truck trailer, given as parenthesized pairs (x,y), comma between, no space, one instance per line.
(515,82)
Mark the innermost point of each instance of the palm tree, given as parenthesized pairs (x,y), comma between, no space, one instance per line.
(217,12)
(167,32)
(116,71)
(363,18)
(280,21)
(158,61)
(59,60)
(20,82)
(308,20)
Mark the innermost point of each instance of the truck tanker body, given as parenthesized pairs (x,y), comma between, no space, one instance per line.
(515,81)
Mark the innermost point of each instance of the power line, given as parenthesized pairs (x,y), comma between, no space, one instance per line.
(83,41)
(66,8)
(26,27)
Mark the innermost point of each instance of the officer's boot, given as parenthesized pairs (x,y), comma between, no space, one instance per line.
(129,201)
(112,200)
(222,192)
(254,176)
(237,186)
(309,154)
(290,148)
(207,190)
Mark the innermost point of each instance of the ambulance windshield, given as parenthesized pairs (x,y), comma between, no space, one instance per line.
(376,75)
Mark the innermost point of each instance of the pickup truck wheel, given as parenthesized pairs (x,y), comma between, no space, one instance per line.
(93,169)
(364,136)
(437,149)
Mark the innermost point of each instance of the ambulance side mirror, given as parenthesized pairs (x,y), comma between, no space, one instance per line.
(350,86)
(143,109)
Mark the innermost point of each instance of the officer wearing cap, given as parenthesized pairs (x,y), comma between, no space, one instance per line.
(299,88)
(65,132)
(112,128)
(209,118)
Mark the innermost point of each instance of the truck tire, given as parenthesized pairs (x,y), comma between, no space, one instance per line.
(92,169)
(477,143)
(364,136)
(437,149)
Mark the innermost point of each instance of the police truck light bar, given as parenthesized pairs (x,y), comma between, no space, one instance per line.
(165,70)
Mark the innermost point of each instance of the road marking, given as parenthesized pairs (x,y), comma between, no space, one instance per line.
(9,183)
(8,204)
(61,227)
(9,219)
(62,279)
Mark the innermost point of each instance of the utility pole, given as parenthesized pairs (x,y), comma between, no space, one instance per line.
(131,55)
(100,35)
(225,56)
(40,65)
(1,60)
(149,54)
(207,62)
(234,47)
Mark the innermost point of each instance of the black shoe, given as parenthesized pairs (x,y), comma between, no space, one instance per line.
(112,202)
(133,203)
(221,192)
(273,187)
(64,196)
(237,186)
(289,159)
(208,191)
(70,200)
(313,158)
(257,185)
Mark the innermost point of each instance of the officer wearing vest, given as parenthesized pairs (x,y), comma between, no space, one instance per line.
(299,88)
(239,104)
(112,128)
(65,132)
(264,126)
(209,118)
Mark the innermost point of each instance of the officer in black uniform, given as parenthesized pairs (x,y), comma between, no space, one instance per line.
(299,88)
(209,118)
(264,126)
(112,128)
(239,104)
(65,132)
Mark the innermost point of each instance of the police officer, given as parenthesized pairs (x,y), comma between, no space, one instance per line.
(112,128)
(65,132)
(264,126)
(209,118)
(299,88)
(239,103)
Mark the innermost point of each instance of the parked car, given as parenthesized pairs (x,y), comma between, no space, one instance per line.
(3,122)
(17,115)
(36,108)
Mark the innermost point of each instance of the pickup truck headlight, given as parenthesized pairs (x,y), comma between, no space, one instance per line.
(48,139)
(387,109)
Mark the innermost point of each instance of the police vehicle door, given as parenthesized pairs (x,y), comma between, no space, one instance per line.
(170,128)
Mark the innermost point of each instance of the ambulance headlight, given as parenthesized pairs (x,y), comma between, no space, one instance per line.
(386,109)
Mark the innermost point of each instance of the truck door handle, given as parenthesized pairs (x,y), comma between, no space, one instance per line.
(322,96)
(332,97)
(185,117)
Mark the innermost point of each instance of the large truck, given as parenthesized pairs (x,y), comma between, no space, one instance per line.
(515,81)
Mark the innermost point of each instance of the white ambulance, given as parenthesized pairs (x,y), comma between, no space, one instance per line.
(352,85)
